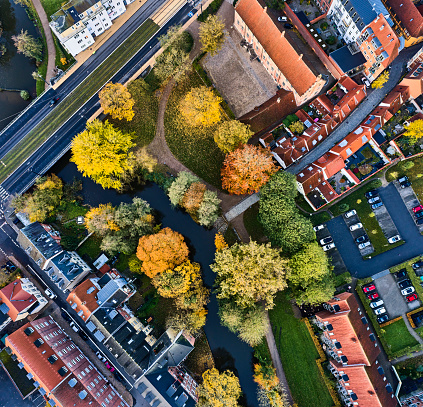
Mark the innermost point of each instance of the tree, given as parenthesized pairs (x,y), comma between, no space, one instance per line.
(297,127)
(220,242)
(381,80)
(134,264)
(116,100)
(208,212)
(26,44)
(101,220)
(181,184)
(161,251)
(102,153)
(414,131)
(232,134)
(25,94)
(211,34)
(173,62)
(317,292)
(248,273)
(247,169)
(193,198)
(265,376)
(218,389)
(190,321)
(43,201)
(201,107)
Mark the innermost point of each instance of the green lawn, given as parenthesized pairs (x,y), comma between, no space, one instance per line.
(398,337)
(230,236)
(253,225)
(357,201)
(18,375)
(80,95)
(193,146)
(91,247)
(298,355)
(316,218)
(51,6)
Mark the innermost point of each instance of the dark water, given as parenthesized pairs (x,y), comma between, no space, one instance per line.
(228,350)
(15,69)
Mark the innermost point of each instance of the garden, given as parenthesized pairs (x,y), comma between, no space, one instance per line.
(365,162)
(24,385)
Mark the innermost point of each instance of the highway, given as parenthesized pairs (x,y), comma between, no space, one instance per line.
(57,145)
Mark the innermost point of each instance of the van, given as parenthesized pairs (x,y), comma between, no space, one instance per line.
(375,304)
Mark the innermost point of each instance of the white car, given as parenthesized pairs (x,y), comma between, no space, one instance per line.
(364,245)
(50,294)
(100,356)
(407,291)
(328,247)
(356,226)
(376,304)
(74,326)
(326,240)
(380,311)
(350,213)
(366,82)
(373,200)
(283,19)
(318,227)
(394,239)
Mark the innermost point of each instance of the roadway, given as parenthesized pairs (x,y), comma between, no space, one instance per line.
(58,144)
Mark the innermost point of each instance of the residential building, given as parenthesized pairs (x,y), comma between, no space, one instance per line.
(414,400)
(414,77)
(353,351)
(18,300)
(288,67)
(39,242)
(61,372)
(83,298)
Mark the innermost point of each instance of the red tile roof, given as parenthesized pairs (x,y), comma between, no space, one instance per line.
(408,15)
(418,116)
(16,298)
(330,163)
(84,296)
(278,47)
(327,191)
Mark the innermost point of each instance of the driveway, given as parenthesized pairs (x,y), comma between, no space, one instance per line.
(410,200)
(413,246)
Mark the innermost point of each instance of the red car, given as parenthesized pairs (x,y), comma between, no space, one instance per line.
(411,298)
(368,288)
(372,296)
(111,368)
(418,208)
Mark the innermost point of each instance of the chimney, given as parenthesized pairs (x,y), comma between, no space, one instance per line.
(283,34)
(301,56)
(265,10)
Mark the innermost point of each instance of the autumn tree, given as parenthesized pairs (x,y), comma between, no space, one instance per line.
(247,169)
(218,389)
(220,242)
(414,131)
(248,273)
(101,220)
(190,321)
(232,134)
(193,198)
(43,201)
(102,153)
(161,251)
(29,46)
(381,80)
(208,212)
(270,394)
(201,107)
(116,100)
(297,127)
(140,163)
(211,34)
(180,186)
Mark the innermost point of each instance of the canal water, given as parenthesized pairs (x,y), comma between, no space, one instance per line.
(15,69)
(228,350)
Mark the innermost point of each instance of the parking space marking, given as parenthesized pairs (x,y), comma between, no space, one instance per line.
(410,200)
(352,220)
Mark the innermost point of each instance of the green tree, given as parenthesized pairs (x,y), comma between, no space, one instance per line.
(188,320)
(26,44)
(173,62)
(211,34)
(181,184)
(248,273)
(317,292)
(231,135)
(102,153)
(25,95)
(208,212)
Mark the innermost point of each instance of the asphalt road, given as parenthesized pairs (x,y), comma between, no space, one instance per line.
(407,229)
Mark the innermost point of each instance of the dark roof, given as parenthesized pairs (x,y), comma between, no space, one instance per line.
(109,318)
(68,268)
(364,9)
(38,236)
(347,61)
(103,280)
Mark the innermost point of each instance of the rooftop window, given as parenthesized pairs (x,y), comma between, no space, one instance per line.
(38,342)
(28,331)
(52,359)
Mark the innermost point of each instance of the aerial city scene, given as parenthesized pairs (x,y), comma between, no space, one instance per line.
(212,203)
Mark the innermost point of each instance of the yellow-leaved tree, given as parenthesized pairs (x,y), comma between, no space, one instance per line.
(231,134)
(212,35)
(218,389)
(116,100)
(414,131)
(381,80)
(201,107)
(220,242)
(102,153)
(101,220)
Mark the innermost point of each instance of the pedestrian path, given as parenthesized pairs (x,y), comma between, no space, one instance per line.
(413,333)
(241,207)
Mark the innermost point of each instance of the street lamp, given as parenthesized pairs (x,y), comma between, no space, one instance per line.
(36,75)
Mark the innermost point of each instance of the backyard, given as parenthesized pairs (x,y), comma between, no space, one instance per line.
(298,355)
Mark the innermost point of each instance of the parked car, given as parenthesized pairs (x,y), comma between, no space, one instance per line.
(418,215)
(419,221)
(364,245)
(383,318)
(54,101)
(83,335)
(109,366)
(10,266)
(417,264)
(403,179)
(377,205)
(74,326)
(373,295)
(356,226)
(66,316)
(376,304)
(399,275)
(282,19)
(366,82)
(371,194)
(394,239)
(404,182)
(404,284)
(369,287)
(318,227)
(118,376)
(362,238)
(101,357)
(411,298)
(288,26)
(418,208)
(326,240)
(350,213)
(373,200)
(380,311)
(328,247)
(407,291)
(50,294)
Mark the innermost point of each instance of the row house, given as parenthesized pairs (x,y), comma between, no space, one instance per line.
(414,78)
(326,117)
(60,371)
(353,354)
(289,68)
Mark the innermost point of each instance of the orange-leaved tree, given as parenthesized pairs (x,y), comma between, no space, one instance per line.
(161,251)
(220,242)
(247,169)
(193,198)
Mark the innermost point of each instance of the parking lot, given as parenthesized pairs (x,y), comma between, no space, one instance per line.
(353,220)
(385,221)
(410,200)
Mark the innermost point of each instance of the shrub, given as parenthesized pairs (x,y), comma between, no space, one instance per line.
(324,25)
(406,165)
(344,207)
(331,40)
(25,94)
(292,118)
(376,183)
(365,169)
